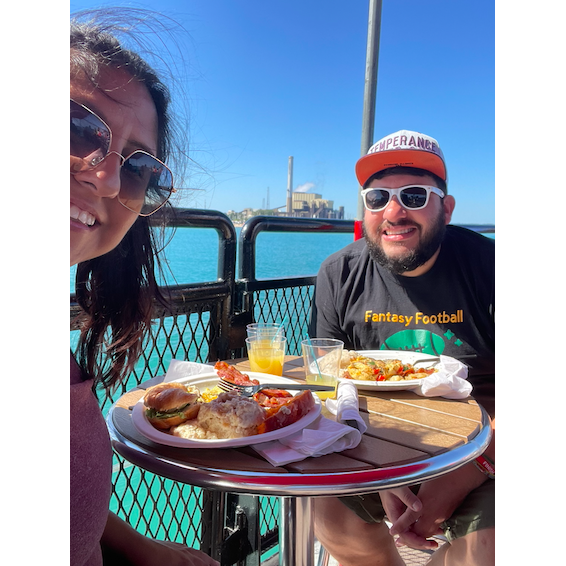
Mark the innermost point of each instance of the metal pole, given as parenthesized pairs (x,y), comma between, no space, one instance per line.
(296,535)
(370,87)
(290,186)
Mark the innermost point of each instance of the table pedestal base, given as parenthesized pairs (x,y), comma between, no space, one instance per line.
(296,533)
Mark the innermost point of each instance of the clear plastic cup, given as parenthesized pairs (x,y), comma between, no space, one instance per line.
(322,363)
(267,353)
(265,329)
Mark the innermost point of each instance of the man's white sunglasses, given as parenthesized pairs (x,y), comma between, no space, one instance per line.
(411,197)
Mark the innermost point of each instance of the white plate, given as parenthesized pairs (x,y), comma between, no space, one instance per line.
(203,381)
(405,357)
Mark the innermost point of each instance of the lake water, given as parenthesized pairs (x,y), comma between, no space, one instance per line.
(192,254)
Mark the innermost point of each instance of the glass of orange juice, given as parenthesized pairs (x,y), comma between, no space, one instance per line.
(322,363)
(266,354)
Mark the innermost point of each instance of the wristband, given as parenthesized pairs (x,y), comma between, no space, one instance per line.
(486,466)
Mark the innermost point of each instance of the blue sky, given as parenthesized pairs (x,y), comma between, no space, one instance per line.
(267,80)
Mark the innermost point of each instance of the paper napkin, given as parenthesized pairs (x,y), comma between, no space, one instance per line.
(346,405)
(322,436)
(450,381)
(179,369)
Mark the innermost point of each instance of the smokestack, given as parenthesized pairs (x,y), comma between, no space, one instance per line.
(290,187)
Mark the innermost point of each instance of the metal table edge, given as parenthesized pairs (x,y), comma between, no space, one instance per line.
(303,484)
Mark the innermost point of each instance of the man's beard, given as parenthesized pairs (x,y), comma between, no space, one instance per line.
(413,259)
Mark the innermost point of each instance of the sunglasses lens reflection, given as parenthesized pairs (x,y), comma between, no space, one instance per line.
(414,197)
(145,183)
(90,138)
(377,199)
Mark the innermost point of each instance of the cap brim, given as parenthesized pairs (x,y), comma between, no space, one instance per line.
(371,164)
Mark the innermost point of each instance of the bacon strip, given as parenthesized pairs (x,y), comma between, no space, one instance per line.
(230,373)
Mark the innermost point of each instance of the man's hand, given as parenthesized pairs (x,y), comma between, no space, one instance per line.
(440,498)
(403,509)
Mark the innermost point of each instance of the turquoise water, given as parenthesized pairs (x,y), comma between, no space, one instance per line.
(192,254)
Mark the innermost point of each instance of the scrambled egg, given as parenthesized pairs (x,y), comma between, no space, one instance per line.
(210,394)
(355,366)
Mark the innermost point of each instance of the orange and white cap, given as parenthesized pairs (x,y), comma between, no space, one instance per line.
(403,148)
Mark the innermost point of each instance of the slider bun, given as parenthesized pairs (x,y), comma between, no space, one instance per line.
(164,423)
(168,396)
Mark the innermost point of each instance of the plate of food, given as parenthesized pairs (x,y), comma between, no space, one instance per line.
(386,369)
(193,412)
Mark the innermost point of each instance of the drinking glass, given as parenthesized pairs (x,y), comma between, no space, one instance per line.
(265,329)
(266,353)
(322,362)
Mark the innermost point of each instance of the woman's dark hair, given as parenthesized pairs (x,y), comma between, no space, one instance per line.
(401,170)
(117,290)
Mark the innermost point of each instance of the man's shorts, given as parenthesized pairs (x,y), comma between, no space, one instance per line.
(476,512)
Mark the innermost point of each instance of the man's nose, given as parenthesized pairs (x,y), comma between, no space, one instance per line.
(394,210)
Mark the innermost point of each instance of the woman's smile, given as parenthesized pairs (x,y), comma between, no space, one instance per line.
(82,216)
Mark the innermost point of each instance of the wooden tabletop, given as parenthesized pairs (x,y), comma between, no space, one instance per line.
(409,438)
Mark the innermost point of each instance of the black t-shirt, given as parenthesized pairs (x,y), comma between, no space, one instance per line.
(448,310)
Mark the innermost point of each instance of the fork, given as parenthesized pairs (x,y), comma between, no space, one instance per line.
(434,360)
(251,390)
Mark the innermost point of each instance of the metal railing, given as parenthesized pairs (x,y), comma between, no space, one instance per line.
(205,322)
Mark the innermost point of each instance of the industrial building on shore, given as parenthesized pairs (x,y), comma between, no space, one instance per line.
(299,204)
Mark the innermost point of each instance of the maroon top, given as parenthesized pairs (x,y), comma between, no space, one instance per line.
(91,472)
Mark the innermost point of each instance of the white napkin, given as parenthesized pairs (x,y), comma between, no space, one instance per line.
(179,369)
(322,436)
(346,406)
(450,381)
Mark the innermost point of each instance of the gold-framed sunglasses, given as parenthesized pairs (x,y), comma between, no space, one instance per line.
(146,183)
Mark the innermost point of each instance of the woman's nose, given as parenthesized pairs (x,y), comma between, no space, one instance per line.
(105,177)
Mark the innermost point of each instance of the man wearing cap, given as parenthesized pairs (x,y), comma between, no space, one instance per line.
(413,283)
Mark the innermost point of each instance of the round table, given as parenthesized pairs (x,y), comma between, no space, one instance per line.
(410,439)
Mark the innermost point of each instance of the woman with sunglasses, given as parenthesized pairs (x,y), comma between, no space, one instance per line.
(120,138)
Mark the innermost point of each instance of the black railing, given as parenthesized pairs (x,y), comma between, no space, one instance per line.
(205,322)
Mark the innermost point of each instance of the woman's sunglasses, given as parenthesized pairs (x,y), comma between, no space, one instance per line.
(411,197)
(145,182)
